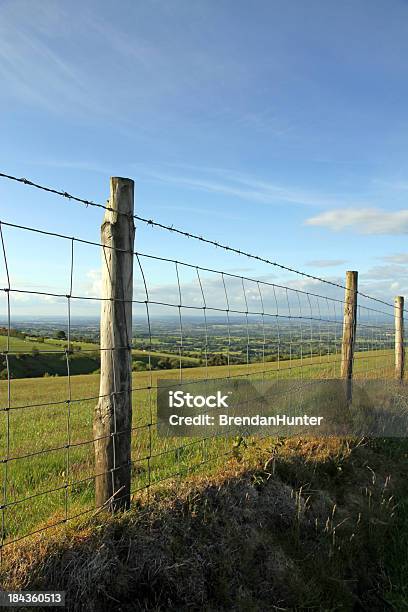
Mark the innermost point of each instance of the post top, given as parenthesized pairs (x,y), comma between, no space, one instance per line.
(121,178)
(121,197)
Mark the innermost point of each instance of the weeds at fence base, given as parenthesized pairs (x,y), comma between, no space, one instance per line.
(292,525)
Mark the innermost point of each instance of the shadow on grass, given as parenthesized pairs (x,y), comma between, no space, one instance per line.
(297,525)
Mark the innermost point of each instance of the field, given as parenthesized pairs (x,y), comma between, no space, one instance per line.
(49,474)
(33,357)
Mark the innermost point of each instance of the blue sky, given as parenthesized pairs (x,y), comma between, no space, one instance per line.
(277,127)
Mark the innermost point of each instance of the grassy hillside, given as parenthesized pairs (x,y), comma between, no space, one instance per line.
(318,479)
(39,433)
(296,525)
(46,357)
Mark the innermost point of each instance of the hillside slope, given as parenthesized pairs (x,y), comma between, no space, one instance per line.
(282,525)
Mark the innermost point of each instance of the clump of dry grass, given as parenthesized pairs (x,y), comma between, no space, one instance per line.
(295,525)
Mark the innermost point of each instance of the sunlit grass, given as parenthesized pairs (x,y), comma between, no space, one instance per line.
(48,440)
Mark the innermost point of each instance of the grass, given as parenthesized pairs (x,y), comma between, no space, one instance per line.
(38,426)
(396,553)
(397,559)
(264,524)
(30,342)
(31,358)
(296,525)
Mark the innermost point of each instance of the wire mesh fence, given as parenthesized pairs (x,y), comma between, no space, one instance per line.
(190,322)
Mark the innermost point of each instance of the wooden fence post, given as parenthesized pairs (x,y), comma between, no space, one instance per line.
(399,337)
(349,331)
(113,413)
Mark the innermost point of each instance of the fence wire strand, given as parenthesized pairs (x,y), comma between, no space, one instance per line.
(202,323)
(184,233)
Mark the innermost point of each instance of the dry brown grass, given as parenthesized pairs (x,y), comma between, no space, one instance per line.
(293,525)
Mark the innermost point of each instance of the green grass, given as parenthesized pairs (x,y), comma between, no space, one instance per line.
(329,477)
(17,344)
(37,423)
(31,358)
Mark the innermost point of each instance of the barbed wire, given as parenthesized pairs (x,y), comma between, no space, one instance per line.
(276,331)
(187,234)
(73,239)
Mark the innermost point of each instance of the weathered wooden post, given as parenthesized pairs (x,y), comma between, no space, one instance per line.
(113,413)
(399,337)
(349,331)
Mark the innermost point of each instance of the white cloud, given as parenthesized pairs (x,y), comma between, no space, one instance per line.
(201,211)
(45,61)
(388,271)
(245,187)
(385,281)
(326,263)
(363,220)
(19,297)
(94,284)
(30,67)
(65,66)
(398,258)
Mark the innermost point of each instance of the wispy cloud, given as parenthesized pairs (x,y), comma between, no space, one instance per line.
(201,211)
(326,263)
(86,166)
(385,281)
(245,187)
(387,272)
(264,121)
(47,61)
(398,258)
(97,67)
(396,185)
(31,69)
(363,220)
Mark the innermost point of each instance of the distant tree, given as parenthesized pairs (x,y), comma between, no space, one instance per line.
(139,366)
(35,352)
(4,331)
(217,359)
(164,364)
(61,335)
